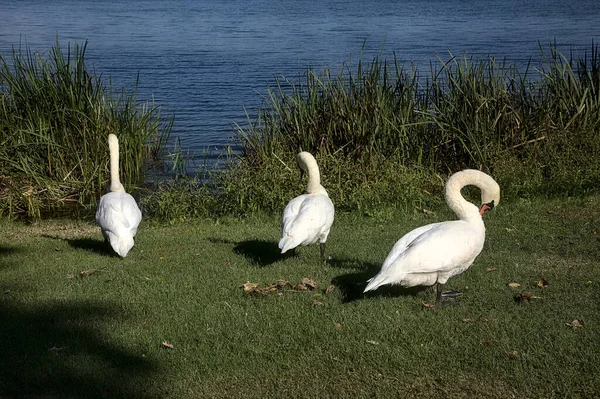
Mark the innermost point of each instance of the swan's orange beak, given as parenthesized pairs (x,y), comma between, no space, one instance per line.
(486,207)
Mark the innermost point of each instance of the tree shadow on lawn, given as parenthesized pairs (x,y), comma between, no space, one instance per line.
(55,350)
(352,285)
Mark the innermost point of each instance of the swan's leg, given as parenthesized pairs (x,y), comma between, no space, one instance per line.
(322,247)
(438,295)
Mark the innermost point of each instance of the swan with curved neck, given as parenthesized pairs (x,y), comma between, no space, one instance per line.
(118,214)
(433,253)
(308,217)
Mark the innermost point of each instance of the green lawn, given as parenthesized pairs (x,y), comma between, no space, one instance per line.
(101,333)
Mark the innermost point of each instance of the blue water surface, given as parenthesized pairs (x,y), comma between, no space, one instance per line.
(207,62)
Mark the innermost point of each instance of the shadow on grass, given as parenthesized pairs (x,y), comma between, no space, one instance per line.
(261,252)
(352,285)
(87,244)
(56,350)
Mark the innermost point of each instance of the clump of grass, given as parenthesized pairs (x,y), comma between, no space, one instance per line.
(538,135)
(55,115)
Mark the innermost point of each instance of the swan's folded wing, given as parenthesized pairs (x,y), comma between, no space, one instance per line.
(442,247)
(118,212)
(401,245)
(307,215)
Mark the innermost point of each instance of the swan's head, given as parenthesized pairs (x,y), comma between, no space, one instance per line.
(490,194)
(304,160)
(112,140)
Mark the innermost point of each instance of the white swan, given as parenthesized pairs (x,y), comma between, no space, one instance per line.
(433,253)
(118,214)
(308,217)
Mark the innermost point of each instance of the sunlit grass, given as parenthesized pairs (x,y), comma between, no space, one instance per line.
(102,335)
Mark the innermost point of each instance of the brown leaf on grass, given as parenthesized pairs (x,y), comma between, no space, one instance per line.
(309,282)
(511,353)
(87,272)
(279,287)
(542,283)
(168,345)
(316,303)
(329,289)
(514,285)
(575,324)
(427,305)
(428,212)
(525,296)
(489,342)
(249,287)
(338,325)
(224,265)
(491,269)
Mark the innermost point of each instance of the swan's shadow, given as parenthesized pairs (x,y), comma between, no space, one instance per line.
(260,252)
(87,244)
(352,285)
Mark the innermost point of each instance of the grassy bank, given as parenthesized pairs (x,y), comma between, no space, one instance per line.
(55,117)
(388,137)
(77,322)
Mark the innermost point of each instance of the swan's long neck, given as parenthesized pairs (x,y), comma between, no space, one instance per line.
(461,207)
(308,163)
(115,182)
(314,178)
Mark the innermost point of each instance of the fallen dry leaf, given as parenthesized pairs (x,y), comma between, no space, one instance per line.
(467,320)
(329,289)
(224,265)
(489,342)
(279,287)
(309,282)
(427,305)
(511,353)
(542,283)
(525,296)
(87,272)
(491,269)
(168,345)
(316,303)
(514,285)
(575,324)
(338,325)
(427,212)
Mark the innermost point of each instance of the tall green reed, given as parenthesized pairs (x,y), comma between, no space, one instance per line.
(55,117)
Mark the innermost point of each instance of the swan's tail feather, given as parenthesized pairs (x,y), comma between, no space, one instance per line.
(376,282)
(287,243)
(122,245)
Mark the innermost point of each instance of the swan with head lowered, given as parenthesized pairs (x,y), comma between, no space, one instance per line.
(118,214)
(308,217)
(433,253)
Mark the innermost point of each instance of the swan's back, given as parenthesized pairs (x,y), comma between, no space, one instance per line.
(307,219)
(118,216)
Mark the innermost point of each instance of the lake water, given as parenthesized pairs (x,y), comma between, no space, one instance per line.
(205,61)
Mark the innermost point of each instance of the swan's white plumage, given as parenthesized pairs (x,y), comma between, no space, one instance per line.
(118,214)
(433,253)
(307,219)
